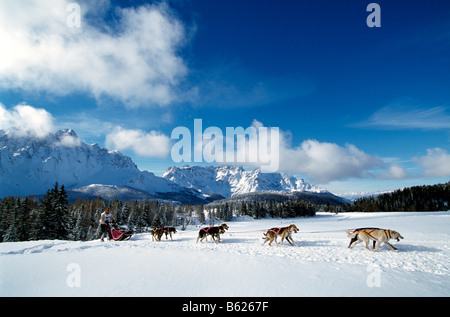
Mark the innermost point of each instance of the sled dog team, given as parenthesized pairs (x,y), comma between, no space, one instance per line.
(356,236)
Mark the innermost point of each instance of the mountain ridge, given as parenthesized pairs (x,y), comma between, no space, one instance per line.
(30,165)
(229,180)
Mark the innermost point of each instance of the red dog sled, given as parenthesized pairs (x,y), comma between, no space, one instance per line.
(120,235)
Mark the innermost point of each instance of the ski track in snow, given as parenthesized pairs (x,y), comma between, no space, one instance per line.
(322,243)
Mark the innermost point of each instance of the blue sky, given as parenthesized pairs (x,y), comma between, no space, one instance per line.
(359,108)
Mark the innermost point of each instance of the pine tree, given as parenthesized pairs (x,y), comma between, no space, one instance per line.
(124,214)
(243,210)
(80,229)
(42,227)
(156,223)
(228,212)
(58,216)
(200,213)
(11,233)
(52,219)
(61,209)
(22,215)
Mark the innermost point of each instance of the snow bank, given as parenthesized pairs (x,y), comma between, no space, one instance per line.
(241,266)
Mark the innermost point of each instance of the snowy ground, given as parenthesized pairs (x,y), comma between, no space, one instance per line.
(240,265)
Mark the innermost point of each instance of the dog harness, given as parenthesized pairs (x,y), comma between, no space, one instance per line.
(207,229)
(277,230)
(369,232)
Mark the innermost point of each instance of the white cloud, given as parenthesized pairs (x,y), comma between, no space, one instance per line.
(323,162)
(137,63)
(436,163)
(69,141)
(152,144)
(394,172)
(25,120)
(320,162)
(399,116)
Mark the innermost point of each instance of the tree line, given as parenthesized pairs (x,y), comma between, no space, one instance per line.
(23,219)
(416,198)
(290,208)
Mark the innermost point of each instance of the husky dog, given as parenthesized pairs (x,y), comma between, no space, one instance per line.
(169,231)
(212,231)
(284,232)
(157,234)
(376,235)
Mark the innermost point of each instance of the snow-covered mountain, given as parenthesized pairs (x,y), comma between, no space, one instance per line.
(30,166)
(228,181)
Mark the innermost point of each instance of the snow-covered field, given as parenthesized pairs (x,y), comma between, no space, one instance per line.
(241,266)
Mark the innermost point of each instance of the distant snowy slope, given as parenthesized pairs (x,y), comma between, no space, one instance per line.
(352,196)
(108,192)
(230,180)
